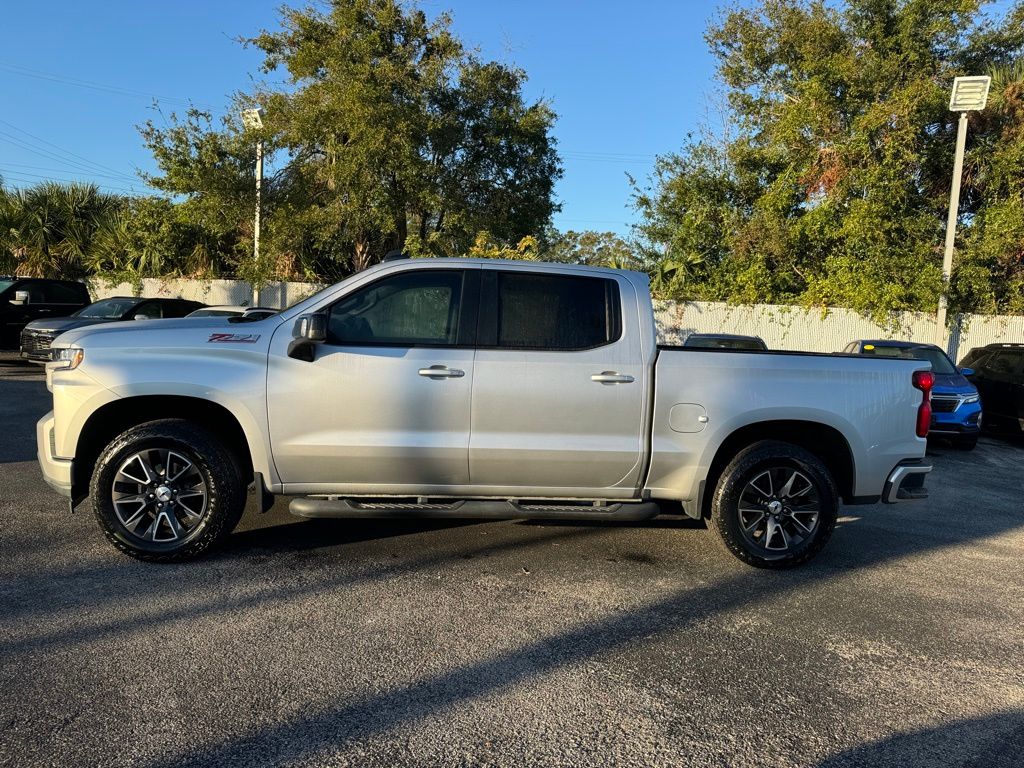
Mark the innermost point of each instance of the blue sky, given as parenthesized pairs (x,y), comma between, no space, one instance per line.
(628,81)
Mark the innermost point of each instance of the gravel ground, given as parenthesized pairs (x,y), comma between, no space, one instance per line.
(370,643)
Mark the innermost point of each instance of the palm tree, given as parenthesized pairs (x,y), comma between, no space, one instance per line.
(50,230)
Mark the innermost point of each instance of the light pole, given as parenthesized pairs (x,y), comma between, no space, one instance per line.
(252,119)
(969,95)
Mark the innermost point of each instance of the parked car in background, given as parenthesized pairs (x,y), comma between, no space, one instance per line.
(25,299)
(997,370)
(956,410)
(229,310)
(723,341)
(38,335)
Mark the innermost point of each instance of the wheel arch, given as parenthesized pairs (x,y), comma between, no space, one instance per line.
(824,441)
(113,418)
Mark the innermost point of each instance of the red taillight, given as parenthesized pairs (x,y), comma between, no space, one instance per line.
(924,380)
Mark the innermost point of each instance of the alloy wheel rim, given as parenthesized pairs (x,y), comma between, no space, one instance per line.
(160,496)
(779,510)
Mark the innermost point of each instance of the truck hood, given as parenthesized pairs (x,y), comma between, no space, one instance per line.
(62,324)
(163,333)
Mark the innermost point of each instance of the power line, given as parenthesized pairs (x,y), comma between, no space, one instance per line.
(72,164)
(61,170)
(33,179)
(115,90)
(60,149)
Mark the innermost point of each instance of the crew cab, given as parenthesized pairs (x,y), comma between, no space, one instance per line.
(472,388)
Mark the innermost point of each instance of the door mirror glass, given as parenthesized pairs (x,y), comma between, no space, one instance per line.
(308,331)
(311,328)
(20,298)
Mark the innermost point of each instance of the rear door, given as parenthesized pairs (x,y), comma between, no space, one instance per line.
(560,384)
(61,299)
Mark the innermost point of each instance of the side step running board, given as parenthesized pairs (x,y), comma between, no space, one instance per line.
(469,509)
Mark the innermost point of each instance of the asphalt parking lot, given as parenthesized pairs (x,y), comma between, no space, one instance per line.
(360,643)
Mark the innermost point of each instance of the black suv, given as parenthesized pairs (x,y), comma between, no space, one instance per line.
(38,335)
(998,373)
(25,299)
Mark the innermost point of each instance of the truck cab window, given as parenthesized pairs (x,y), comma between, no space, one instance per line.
(418,308)
(555,312)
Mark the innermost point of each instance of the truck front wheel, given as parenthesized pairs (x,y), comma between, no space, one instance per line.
(167,491)
(775,505)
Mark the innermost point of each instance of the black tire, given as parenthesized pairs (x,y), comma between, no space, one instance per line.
(213,468)
(966,443)
(764,465)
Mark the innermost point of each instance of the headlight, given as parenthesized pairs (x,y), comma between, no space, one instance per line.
(971,398)
(67,358)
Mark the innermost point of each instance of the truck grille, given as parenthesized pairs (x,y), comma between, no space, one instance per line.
(36,343)
(944,404)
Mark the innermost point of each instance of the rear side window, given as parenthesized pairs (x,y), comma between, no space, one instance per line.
(179,308)
(418,308)
(1005,363)
(149,310)
(555,312)
(59,293)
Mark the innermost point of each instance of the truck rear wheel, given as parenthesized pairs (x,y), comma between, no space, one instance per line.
(775,505)
(167,491)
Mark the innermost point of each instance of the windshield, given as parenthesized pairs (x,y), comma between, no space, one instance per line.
(108,309)
(5,284)
(940,363)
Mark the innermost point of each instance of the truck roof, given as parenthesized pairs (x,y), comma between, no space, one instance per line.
(510,262)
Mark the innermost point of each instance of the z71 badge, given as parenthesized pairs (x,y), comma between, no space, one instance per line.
(233,338)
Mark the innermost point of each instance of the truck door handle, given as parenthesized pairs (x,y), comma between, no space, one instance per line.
(441,372)
(611,377)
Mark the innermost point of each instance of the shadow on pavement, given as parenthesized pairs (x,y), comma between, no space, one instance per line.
(996,741)
(298,738)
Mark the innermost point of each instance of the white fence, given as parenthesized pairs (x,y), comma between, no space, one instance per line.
(275,295)
(781,327)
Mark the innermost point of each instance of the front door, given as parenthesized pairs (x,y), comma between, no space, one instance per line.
(559,386)
(384,405)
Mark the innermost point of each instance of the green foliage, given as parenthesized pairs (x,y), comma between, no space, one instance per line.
(486,247)
(54,230)
(387,134)
(832,185)
(598,249)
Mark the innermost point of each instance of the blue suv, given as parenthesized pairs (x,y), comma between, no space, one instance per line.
(956,406)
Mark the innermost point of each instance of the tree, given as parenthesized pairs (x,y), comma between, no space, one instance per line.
(597,249)
(388,134)
(52,230)
(832,189)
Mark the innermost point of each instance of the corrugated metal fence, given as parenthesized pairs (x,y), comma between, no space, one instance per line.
(781,327)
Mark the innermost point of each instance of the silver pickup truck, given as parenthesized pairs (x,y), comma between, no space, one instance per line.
(472,388)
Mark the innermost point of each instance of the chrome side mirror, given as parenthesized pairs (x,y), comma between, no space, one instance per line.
(20,298)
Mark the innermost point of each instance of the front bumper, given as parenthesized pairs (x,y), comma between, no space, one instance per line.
(57,472)
(906,482)
(35,345)
(963,420)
